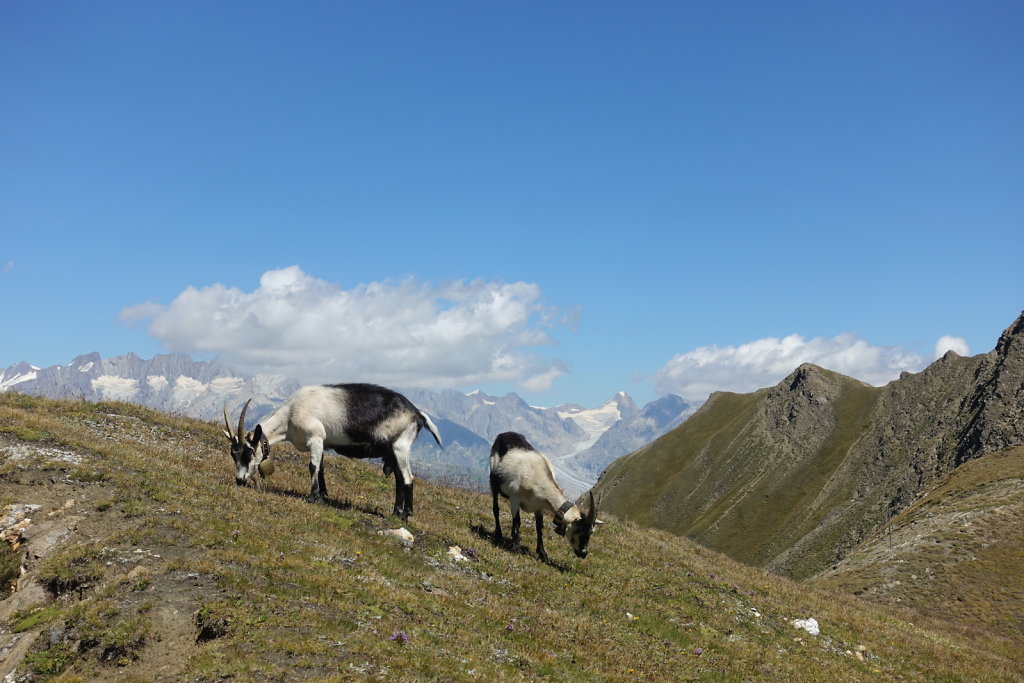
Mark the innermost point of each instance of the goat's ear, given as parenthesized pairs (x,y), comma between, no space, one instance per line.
(228,434)
(257,435)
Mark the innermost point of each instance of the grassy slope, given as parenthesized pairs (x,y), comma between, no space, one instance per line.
(723,481)
(956,554)
(288,590)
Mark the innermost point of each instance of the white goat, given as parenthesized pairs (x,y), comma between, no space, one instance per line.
(355,420)
(526,478)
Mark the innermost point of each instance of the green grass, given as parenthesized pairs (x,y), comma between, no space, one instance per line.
(75,568)
(726,479)
(10,568)
(285,590)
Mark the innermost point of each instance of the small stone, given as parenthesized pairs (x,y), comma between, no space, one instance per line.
(401,534)
(810,625)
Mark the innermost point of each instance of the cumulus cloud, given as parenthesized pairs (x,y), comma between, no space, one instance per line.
(398,333)
(764,362)
(948,343)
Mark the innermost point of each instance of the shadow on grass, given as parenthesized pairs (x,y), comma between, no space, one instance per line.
(506,544)
(337,504)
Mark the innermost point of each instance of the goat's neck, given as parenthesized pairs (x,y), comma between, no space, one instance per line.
(572,514)
(556,499)
(275,426)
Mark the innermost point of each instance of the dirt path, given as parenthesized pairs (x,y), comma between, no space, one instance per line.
(55,511)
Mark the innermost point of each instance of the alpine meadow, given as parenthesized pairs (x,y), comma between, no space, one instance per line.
(893,524)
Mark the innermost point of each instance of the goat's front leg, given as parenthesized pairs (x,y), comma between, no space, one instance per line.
(317,485)
(538,519)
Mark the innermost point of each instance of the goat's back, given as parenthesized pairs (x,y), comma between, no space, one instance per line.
(518,470)
(507,441)
(352,413)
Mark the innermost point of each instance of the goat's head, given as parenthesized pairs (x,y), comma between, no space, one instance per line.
(248,449)
(578,531)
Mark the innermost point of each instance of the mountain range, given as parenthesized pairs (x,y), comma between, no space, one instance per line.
(794,477)
(580,442)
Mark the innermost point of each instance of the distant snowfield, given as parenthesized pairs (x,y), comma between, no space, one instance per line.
(114,388)
(595,421)
(18,379)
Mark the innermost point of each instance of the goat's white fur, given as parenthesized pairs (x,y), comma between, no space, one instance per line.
(527,478)
(357,420)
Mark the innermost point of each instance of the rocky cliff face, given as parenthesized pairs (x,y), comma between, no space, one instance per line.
(791,477)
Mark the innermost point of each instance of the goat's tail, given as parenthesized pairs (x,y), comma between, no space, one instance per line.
(431,427)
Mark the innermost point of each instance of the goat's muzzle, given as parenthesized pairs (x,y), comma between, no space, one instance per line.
(582,554)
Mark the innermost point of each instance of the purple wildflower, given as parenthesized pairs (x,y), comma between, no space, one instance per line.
(698,650)
(400,637)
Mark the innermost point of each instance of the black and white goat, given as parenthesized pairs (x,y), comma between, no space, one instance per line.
(527,479)
(355,420)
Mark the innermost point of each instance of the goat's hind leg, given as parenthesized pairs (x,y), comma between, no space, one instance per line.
(497,538)
(317,485)
(391,465)
(402,451)
(516,547)
(538,518)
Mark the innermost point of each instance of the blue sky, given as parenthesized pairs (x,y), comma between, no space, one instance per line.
(558,199)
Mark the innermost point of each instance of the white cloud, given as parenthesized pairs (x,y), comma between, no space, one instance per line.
(139,312)
(948,343)
(765,362)
(541,382)
(398,333)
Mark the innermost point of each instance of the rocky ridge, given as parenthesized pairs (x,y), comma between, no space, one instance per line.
(793,476)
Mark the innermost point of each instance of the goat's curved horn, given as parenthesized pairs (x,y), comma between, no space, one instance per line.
(241,419)
(592,509)
(227,423)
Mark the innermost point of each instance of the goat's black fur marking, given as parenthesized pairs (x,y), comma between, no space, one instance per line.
(368,405)
(510,441)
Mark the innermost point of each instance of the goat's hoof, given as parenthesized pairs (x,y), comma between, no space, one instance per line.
(542,556)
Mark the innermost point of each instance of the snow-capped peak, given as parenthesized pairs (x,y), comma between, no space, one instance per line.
(596,421)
